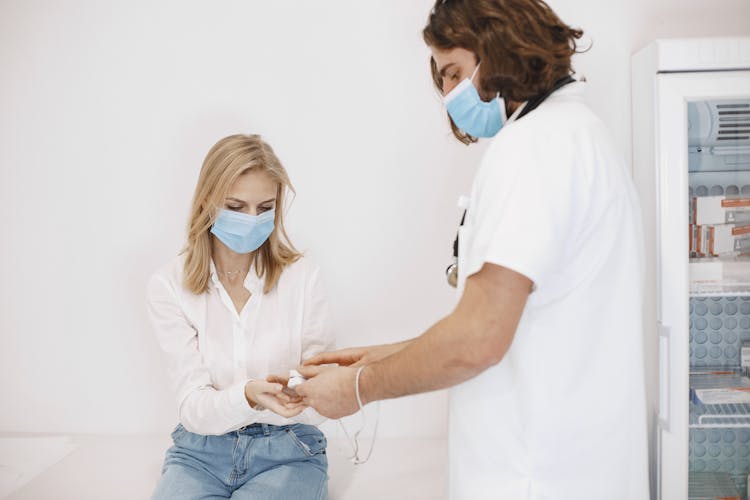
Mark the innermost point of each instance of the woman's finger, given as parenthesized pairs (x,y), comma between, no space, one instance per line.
(269,387)
(281,396)
(280,400)
(284,410)
(277,379)
(292,394)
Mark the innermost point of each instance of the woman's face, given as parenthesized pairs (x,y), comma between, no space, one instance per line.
(253,193)
(454,65)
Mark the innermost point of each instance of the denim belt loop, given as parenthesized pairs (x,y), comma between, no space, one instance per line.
(266,429)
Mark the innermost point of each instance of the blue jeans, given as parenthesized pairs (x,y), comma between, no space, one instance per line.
(260,461)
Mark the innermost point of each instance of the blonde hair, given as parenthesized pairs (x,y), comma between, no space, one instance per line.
(228,159)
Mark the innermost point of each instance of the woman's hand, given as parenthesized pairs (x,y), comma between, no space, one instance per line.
(354,356)
(284,380)
(271,395)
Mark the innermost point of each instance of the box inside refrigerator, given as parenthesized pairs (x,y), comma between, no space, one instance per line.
(719,166)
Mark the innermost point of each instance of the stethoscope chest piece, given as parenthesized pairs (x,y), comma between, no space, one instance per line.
(451,272)
(452,275)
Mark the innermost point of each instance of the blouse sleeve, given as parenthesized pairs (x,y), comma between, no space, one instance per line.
(317,334)
(202,409)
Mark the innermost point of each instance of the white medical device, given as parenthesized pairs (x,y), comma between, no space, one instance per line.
(295,379)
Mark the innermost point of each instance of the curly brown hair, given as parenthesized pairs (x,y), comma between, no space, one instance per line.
(523,46)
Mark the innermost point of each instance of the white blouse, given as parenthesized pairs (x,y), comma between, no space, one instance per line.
(211,351)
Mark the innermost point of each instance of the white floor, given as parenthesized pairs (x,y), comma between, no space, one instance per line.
(99,467)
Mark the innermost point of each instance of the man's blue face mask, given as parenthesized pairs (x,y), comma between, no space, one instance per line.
(473,115)
(243,233)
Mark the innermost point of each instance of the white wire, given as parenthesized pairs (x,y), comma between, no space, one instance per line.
(354,443)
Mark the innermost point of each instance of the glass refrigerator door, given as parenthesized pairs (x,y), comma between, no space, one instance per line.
(703,281)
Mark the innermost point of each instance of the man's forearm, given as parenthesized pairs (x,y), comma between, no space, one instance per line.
(442,357)
(403,343)
(471,339)
(475,336)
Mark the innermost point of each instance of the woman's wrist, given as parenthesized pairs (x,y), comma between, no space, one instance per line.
(249,395)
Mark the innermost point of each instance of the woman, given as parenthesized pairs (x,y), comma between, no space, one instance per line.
(240,303)
(545,347)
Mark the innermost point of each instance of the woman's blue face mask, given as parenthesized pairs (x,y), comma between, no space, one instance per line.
(241,232)
(473,115)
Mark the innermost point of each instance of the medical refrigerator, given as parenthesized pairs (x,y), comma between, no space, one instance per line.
(691,164)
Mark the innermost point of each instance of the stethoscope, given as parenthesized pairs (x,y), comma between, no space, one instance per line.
(451,272)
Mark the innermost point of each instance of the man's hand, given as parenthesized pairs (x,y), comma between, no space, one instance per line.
(356,356)
(329,390)
(271,396)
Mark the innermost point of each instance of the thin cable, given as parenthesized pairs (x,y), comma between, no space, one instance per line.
(355,442)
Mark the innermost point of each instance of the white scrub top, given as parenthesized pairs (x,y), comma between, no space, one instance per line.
(563,415)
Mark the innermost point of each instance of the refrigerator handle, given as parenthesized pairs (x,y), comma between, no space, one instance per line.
(664,371)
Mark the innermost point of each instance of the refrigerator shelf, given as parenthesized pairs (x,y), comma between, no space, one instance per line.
(712,486)
(719,416)
(719,289)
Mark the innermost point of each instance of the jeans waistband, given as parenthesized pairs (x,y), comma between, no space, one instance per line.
(257,429)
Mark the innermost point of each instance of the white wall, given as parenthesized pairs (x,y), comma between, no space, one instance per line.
(619,28)
(108,108)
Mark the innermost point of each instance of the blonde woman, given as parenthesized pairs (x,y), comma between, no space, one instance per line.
(239,304)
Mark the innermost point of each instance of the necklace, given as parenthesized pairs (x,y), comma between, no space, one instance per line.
(231,274)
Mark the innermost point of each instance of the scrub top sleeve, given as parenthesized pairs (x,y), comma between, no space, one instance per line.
(317,334)
(524,212)
(202,409)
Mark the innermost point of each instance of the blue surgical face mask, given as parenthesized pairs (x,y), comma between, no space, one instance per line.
(243,233)
(473,115)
